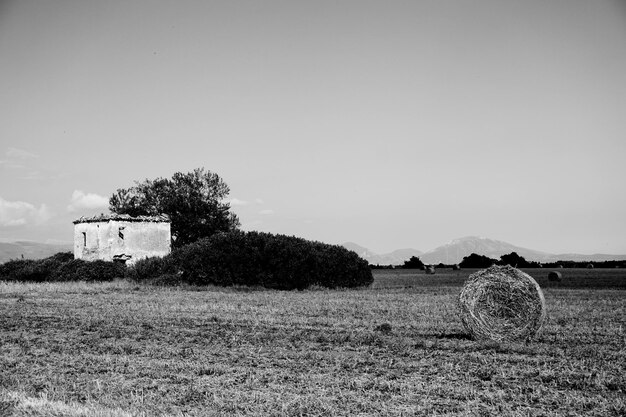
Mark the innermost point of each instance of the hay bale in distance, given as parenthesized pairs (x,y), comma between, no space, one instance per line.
(383,328)
(590,266)
(456,267)
(430,270)
(555,276)
(502,303)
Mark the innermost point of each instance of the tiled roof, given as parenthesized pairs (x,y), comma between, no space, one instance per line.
(162,218)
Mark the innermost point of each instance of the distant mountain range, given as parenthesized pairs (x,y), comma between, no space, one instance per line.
(397,257)
(453,252)
(450,253)
(31,250)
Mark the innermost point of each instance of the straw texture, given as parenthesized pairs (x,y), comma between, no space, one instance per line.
(502,303)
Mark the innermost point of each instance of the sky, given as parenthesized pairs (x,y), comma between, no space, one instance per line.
(392,124)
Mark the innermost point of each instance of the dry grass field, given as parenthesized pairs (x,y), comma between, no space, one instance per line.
(397,348)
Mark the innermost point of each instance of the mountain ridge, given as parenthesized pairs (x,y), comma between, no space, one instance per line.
(448,253)
(31,250)
(397,257)
(454,251)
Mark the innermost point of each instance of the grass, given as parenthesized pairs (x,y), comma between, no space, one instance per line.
(613,278)
(398,348)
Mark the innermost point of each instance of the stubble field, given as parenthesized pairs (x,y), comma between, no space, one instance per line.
(397,348)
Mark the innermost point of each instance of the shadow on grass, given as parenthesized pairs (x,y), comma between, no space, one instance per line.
(453,336)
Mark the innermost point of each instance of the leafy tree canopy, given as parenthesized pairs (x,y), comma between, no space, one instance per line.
(413,263)
(195,203)
(515,260)
(476,261)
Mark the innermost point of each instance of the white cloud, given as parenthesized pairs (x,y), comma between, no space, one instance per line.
(266,212)
(81,200)
(236,202)
(10,164)
(14,222)
(33,175)
(15,153)
(251,224)
(19,213)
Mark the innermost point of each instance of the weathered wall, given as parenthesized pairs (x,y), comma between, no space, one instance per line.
(125,239)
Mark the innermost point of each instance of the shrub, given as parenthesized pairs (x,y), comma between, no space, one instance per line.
(148,268)
(98,270)
(259,259)
(413,263)
(514,260)
(60,257)
(17,270)
(29,270)
(60,267)
(476,261)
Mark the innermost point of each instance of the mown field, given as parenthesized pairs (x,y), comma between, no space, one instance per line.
(397,348)
(609,278)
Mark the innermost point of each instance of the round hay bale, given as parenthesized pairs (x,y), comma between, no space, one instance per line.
(383,328)
(590,266)
(456,267)
(555,276)
(502,303)
(430,270)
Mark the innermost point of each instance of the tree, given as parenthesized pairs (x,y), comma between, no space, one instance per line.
(513,259)
(195,203)
(476,261)
(413,263)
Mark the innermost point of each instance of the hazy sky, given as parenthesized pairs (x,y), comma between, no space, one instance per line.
(388,123)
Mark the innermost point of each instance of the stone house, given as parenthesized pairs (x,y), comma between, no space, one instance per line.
(120,237)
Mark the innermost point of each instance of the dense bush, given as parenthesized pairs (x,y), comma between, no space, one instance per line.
(60,267)
(17,269)
(147,268)
(413,263)
(98,270)
(258,259)
(517,261)
(477,261)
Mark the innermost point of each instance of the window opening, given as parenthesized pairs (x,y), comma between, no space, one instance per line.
(84,239)
(120,233)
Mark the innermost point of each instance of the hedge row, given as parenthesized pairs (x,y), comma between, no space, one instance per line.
(225,259)
(257,259)
(60,267)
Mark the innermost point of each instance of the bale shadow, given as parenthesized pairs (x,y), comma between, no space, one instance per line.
(453,336)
